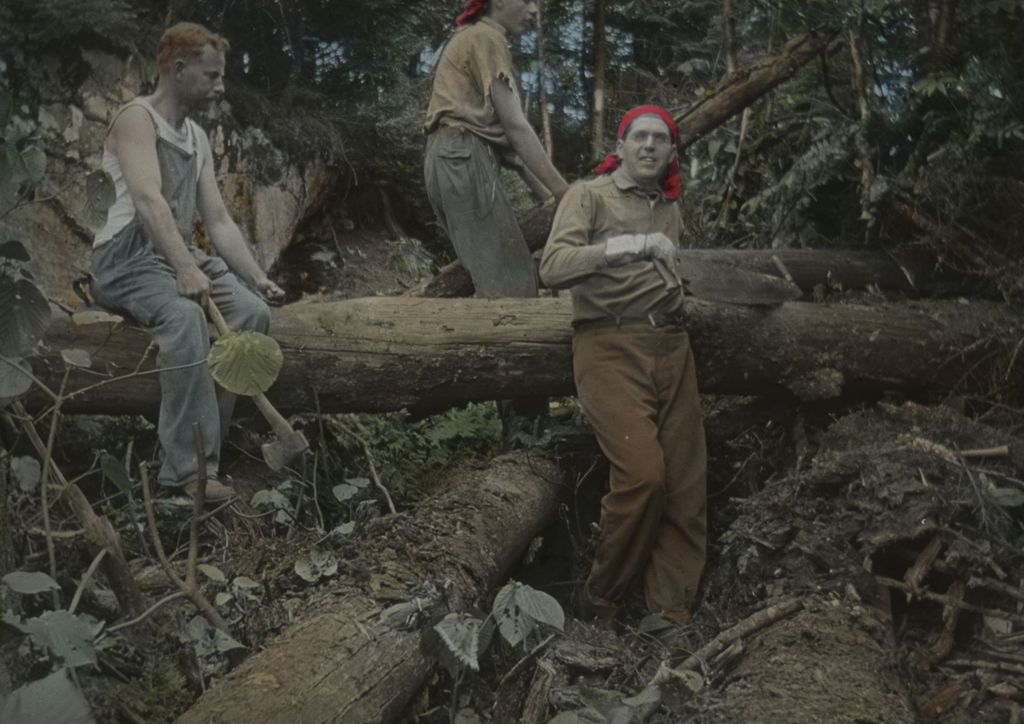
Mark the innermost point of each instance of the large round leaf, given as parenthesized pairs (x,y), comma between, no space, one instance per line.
(14,250)
(24,314)
(14,378)
(99,197)
(245,363)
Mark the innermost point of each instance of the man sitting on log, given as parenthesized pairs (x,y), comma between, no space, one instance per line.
(474,121)
(145,260)
(613,243)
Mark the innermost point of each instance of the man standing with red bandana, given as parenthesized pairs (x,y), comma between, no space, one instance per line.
(613,243)
(474,123)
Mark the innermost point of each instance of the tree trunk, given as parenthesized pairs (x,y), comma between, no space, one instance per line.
(600,72)
(806,268)
(732,62)
(545,115)
(342,662)
(862,83)
(387,353)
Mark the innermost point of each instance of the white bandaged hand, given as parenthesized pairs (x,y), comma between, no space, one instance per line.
(633,247)
(659,246)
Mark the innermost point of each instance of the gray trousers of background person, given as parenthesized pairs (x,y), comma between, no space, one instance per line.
(465,191)
(129,277)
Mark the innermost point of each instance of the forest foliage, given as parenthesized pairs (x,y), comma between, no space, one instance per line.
(907,131)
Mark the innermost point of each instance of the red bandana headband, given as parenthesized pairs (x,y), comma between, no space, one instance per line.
(672,186)
(473,9)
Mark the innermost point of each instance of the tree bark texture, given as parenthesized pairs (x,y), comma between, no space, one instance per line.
(341,662)
(807,268)
(388,353)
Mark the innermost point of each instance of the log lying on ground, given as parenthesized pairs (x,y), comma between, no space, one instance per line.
(807,268)
(388,353)
(341,662)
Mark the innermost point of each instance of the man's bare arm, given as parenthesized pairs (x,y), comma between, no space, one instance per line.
(524,141)
(226,236)
(133,141)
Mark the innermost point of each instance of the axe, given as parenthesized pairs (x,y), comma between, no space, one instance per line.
(288,442)
(718,282)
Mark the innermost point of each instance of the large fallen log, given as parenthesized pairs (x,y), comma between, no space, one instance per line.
(388,353)
(343,661)
(749,85)
(807,268)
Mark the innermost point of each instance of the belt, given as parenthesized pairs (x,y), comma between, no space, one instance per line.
(674,319)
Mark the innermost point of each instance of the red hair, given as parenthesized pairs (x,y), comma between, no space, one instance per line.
(473,10)
(186,40)
(672,185)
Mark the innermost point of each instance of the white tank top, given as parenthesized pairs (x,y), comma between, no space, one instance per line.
(191,139)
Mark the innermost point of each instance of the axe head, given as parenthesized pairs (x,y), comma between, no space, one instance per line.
(284,449)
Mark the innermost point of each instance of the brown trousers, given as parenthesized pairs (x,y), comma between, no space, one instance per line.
(638,387)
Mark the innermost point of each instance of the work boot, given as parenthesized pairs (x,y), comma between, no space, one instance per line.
(216,491)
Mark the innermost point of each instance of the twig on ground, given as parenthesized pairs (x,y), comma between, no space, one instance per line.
(187,587)
(51,552)
(373,468)
(523,661)
(98,529)
(1005,588)
(991,665)
(86,578)
(147,613)
(947,600)
(744,628)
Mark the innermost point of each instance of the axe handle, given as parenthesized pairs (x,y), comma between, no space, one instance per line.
(278,424)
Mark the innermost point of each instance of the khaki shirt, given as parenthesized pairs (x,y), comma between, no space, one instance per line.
(592,212)
(475,57)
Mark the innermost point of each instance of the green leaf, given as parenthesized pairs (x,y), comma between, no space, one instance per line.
(30,583)
(76,358)
(54,700)
(14,378)
(344,492)
(207,639)
(114,471)
(317,565)
(14,250)
(519,609)
(244,583)
(246,363)
(100,195)
(461,634)
(24,316)
(27,472)
(344,529)
(467,716)
(213,573)
(65,635)
(1005,497)
(34,160)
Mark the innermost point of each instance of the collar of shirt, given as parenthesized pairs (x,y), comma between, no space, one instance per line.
(625,183)
(497,26)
